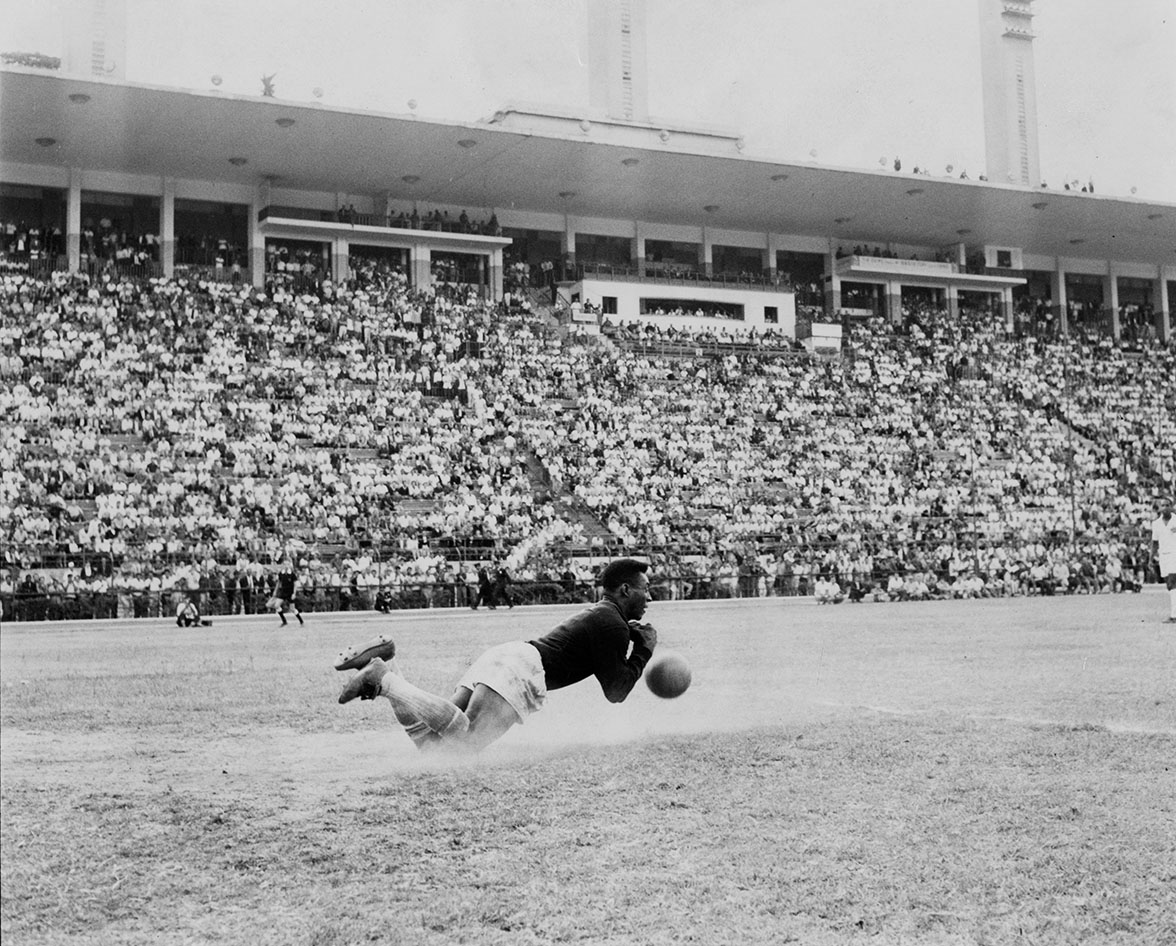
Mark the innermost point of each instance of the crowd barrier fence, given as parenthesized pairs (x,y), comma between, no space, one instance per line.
(132,603)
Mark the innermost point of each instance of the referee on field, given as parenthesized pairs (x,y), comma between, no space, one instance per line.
(1163,534)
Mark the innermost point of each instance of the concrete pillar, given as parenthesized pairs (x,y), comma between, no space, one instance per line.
(73,221)
(257,238)
(1111,300)
(167,227)
(832,282)
(953,303)
(637,250)
(1057,283)
(774,252)
(496,274)
(1006,309)
(340,250)
(894,302)
(832,294)
(1162,308)
(327,259)
(768,264)
(421,264)
(567,247)
(706,264)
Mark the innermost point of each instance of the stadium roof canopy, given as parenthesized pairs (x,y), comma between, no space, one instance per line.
(49,119)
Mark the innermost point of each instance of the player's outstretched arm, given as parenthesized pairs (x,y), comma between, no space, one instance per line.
(645,634)
(618,669)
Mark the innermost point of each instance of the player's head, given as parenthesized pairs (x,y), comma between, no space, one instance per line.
(625,581)
(1165,505)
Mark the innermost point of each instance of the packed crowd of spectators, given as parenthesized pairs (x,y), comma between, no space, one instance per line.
(519,275)
(699,310)
(876,252)
(108,241)
(650,337)
(172,436)
(103,244)
(294,268)
(21,242)
(219,253)
(438,220)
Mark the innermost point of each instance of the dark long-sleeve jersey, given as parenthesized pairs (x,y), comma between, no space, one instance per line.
(594,643)
(286,583)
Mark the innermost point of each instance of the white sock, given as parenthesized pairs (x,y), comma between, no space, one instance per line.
(421,735)
(412,705)
(1172,603)
(417,731)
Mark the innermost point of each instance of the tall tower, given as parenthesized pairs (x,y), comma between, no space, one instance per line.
(1010,91)
(95,38)
(617,67)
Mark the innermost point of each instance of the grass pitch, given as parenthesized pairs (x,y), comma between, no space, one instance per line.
(957,772)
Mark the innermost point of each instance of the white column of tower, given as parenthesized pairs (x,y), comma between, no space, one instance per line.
(1009,91)
(617,85)
(95,39)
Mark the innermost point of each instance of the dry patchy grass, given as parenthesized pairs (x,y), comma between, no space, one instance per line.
(937,774)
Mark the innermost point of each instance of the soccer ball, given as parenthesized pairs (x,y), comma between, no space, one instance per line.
(668,675)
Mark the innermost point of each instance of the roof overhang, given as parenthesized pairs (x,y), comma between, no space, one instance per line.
(169,133)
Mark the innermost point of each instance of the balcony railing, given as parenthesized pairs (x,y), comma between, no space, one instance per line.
(39,266)
(398,222)
(653,273)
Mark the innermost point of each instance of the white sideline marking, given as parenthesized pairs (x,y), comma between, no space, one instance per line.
(1070,725)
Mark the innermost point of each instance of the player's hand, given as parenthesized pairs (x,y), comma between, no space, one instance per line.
(646,633)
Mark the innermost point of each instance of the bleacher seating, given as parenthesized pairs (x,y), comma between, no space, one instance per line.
(195,430)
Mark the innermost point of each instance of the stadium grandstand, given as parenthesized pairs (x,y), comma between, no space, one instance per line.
(239,331)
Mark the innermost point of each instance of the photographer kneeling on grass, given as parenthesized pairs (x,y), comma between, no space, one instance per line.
(188,615)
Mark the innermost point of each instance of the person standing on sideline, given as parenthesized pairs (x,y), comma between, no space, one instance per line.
(485,589)
(283,599)
(1163,534)
(502,590)
(509,682)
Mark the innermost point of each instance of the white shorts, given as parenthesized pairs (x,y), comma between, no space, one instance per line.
(1168,564)
(515,672)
